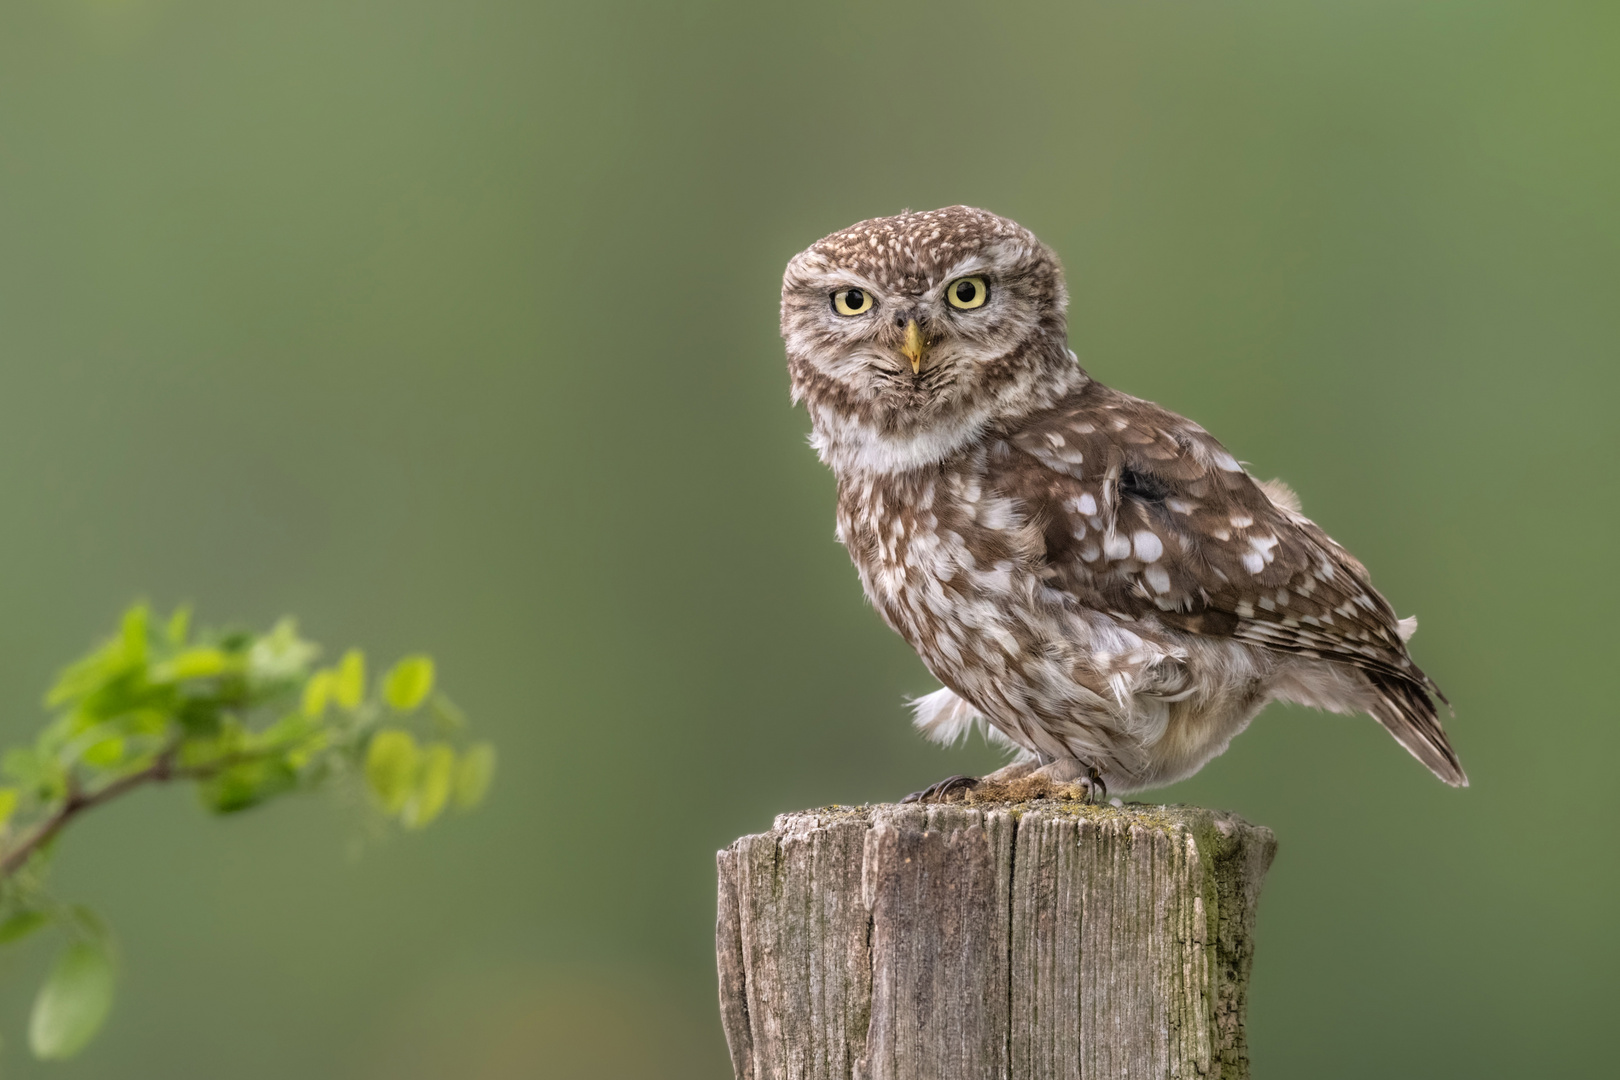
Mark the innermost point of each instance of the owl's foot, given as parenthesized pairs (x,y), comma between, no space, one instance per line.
(1076,772)
(942,788)
(1015,771)
(1095,791)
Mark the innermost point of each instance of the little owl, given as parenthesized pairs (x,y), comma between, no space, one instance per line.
(1093,578)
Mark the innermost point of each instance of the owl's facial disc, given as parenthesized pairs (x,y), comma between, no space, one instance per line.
(939,329)
(905,332)
(968,293)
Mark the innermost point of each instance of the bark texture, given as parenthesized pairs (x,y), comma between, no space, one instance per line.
(1032,941)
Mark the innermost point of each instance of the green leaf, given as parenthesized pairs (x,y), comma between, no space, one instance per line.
(85,676)
(316,694)
(198,716)
(146,722)
(199,663)
(104,753)
(179,626)
(285,732)
(474,774)
(205,753)
(245,784)
(21,925)
(409,682)
(434,780)
(133,634)
(281,654)
(391,763)
(349,680)
(73,1003)
(8,804)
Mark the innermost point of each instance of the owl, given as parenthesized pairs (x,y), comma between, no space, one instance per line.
(1096,582)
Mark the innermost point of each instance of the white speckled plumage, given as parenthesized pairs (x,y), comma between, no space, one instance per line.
(1093,577)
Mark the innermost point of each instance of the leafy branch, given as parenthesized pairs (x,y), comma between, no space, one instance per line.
(246,717)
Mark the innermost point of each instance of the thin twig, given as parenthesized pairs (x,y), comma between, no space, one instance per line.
(162,770)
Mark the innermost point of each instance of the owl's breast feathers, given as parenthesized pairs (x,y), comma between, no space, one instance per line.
(1109,506)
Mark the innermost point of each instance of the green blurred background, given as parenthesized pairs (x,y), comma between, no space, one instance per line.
(452,326)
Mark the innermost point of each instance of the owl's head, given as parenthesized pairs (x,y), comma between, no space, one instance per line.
(907,335)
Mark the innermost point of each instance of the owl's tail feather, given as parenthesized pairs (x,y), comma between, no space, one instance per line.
(944,718)
(1407,712)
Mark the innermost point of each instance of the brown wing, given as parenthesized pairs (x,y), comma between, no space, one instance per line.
(1143,511)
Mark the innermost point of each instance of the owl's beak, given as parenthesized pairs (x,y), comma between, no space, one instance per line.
(914,346)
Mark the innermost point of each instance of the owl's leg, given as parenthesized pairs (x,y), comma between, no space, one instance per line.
(942,788)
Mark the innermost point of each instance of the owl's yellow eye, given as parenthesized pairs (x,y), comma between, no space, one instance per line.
(967,293)
(852,301)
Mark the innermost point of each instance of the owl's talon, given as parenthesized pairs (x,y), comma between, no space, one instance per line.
(942,788)
(1096,791)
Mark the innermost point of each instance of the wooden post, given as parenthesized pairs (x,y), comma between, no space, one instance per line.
(1042,939)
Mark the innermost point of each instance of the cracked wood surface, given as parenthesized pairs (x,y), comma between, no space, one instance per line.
(1034,941)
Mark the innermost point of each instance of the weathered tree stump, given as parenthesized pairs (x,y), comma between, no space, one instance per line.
(1043,939)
